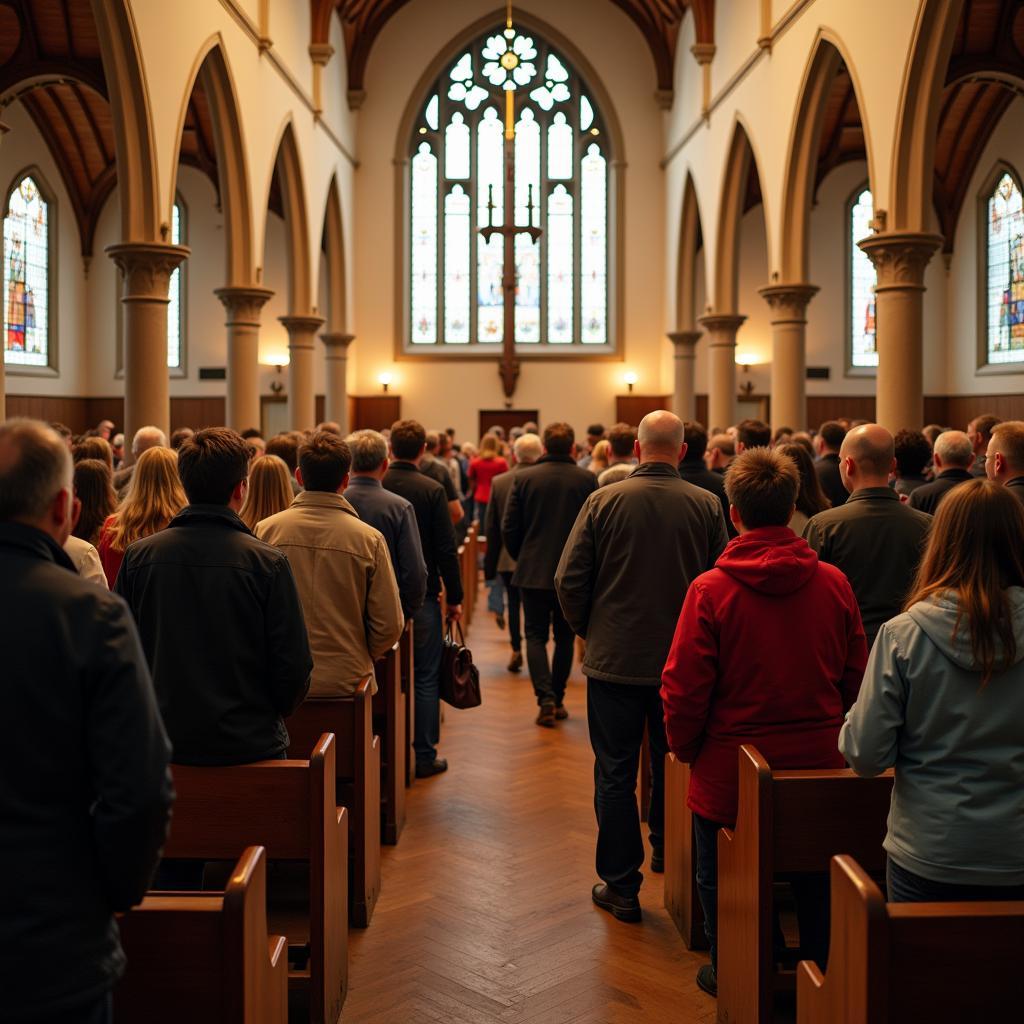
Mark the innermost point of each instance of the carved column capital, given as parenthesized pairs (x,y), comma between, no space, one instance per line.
(685,342)
(321,53)
(788,302)
(243,303)
(147,267)
(900,257)
(301,329)
(721,327)
(336,343)
(703,53)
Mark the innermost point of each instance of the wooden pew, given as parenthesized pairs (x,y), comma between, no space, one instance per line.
(389,724)
(787,822)
(944,963)
(288,807)
(357,775)
(681,899)
(205,958)
(406,662)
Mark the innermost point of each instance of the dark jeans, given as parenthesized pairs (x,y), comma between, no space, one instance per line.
(617,714)
(98,1012)
(810,892)
(427,646)
(543,615)
(906,887)
(514,611)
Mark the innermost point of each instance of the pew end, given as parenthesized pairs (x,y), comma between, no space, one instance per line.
(389,718)
(681,899)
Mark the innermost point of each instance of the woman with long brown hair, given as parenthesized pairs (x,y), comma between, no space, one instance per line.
(155,496)
(810,499)
(270,490)
(943,703)
(95,490)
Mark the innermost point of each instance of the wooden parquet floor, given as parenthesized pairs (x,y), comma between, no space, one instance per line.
(485,913)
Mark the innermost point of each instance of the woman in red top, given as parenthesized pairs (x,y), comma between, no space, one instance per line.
(737,673)
(482,470)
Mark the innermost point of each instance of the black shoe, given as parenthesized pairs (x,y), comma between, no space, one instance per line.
(658,859)
(546,716)
(622,908)
(707,979)
(561,712)
(499,620)
(515,663)
(424,769)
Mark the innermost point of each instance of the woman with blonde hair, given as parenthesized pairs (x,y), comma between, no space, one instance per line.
(155,496)
(600,456)
(270,490)
(942,702)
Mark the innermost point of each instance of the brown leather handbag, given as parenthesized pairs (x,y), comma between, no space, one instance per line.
(460,678)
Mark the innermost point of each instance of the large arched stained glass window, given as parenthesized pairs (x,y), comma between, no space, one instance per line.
(460,166)
(1004,272)
(863,349)
(27,237)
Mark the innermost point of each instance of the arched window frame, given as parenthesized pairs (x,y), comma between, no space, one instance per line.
(991,180)
(51,367)
(611,143)
(180,276)
(852,369)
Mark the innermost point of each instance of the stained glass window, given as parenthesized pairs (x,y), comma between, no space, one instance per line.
(1005,273)
(459,183)
(863,349)
(27,276)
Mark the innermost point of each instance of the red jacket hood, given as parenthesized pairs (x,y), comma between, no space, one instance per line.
(770,559)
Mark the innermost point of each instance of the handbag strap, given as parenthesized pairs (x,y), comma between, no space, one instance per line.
(449,635)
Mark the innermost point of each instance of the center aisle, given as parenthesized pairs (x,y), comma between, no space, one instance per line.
(485,912)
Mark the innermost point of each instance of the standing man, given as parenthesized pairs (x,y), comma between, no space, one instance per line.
(979,430)
(85,795)
(437,470)
(693,469)
(621,438)
(953,456)
(595,433)
(633,552)
(827,446)
(1005,462)
(542,507)
(721,450)
(437,541)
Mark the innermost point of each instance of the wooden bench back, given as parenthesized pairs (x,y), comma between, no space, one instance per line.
(944,963)
(389,723)
(350,718)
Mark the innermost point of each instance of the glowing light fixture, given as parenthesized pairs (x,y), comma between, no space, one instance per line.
(630,379)
(385,381)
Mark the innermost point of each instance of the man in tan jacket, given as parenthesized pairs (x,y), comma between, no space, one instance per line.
(342,569)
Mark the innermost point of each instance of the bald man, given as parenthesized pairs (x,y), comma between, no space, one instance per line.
(874,538)
(621,581)
(953,456)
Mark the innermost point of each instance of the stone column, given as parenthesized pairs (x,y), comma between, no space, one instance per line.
(684,391)
(243,305)
(301,394)
(788,304)
(336,398)
(146,269)
(721,330)
(900,258)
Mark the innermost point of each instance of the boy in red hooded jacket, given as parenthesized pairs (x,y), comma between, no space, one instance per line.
(769,650)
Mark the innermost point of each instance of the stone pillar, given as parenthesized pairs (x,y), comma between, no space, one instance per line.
(301,394)
(684,391)
(788,304)
(721,330)
(146,269)
(243,305)
(900,258)
(336,398)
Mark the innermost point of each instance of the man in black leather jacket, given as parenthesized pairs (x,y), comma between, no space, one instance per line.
(219,616)
(84,788)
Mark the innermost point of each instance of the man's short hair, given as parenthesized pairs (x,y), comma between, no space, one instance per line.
(595,430)
(724,443)
(66,432)
(324,460)
(148,437)
(285,447)
(763,484)
(251,432)
(211,464)
(954,448)
(368,449)
(753,433)
(695,436)
(34,465)
(832,433)
(983,425)
(912,451)
(432,441)
(1009,439)
(180,436)
(528,448)
(407,439)
(330,427)
(559,439)
(621,438)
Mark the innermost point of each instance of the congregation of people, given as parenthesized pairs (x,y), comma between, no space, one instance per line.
(841,597)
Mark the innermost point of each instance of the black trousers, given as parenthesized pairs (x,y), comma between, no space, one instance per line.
(617,714)
(543,616)
(514,612)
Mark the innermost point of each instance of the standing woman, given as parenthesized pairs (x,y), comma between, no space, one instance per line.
(270,490)
(943,702)
(155,496)
(95,490)
(810,499)
(482,470)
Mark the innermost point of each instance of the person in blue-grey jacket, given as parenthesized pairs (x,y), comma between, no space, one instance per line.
(943,703)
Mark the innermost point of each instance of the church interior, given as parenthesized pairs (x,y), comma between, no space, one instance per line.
(269,214)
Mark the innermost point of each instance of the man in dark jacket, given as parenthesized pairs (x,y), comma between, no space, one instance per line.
(826,445)
(874,538)
(542,507)
(621,581)
(84,788)
(693,470)
(437,541)
(952,455)
(1005,461)
(219,616)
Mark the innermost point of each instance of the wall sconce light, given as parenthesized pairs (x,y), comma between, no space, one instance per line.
(746,360)
(385,380)
(630,378)
(278,362)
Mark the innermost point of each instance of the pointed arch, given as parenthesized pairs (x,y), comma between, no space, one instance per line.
(288,167)
(212,75)
(827,58)
(691,251)
(334,253)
